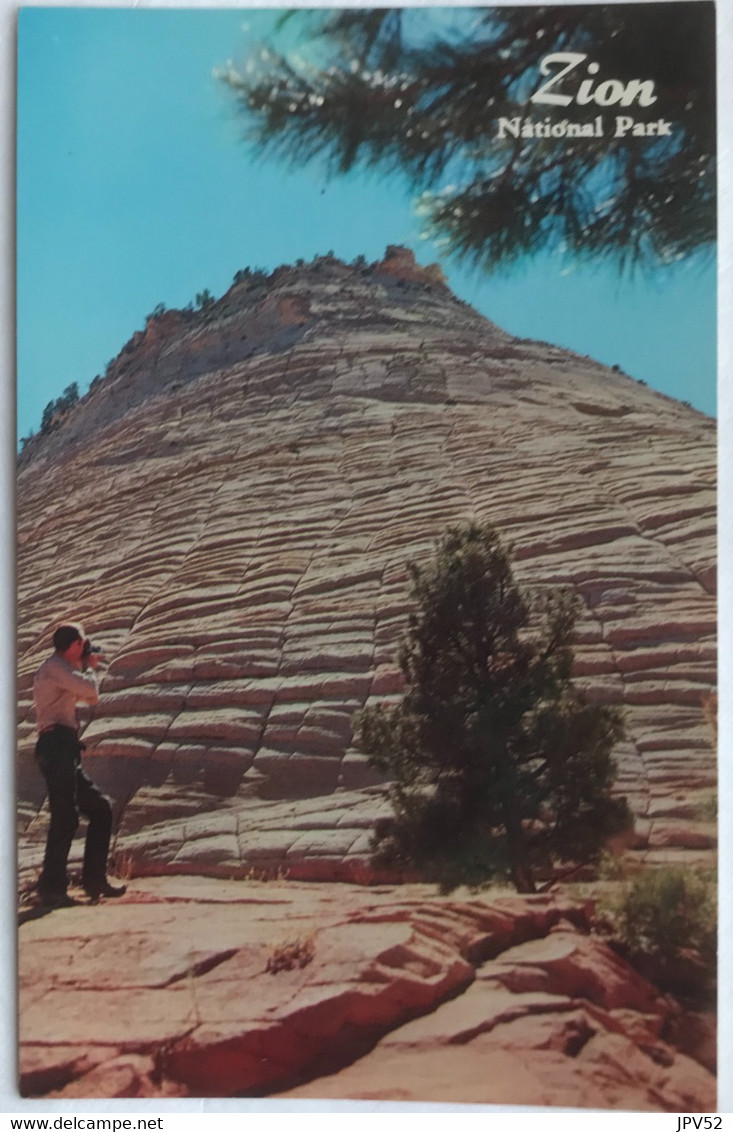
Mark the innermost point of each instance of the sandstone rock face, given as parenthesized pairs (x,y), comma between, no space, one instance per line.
(196,987)
(230,513)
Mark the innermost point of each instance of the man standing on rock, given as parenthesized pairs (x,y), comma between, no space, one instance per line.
(60,683)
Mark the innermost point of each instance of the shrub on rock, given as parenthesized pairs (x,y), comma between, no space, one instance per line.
(498,766)
(666,918)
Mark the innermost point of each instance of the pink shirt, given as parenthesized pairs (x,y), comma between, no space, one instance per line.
(57,688)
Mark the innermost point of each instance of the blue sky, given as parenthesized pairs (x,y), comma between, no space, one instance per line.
(134,188)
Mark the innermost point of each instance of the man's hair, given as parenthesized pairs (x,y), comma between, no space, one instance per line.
(65,635)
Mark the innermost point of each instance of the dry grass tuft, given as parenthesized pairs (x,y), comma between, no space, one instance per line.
(293,953)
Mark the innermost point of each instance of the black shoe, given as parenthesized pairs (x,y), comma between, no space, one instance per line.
(55,899)
(94,891)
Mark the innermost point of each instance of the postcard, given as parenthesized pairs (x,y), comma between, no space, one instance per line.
(366,568)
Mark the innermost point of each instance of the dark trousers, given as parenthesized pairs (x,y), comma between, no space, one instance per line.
(71,792)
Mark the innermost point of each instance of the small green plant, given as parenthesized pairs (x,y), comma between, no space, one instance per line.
(292,953)
(57,408)
(255,275)
(709,808)
(611,868)
(664,912)
(204,299)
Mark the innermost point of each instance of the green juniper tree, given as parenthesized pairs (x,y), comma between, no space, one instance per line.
(498,767)
(69,397)
(421,91)
(61,405)
(204,299)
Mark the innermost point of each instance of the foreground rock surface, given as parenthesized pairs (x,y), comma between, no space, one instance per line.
(198,987)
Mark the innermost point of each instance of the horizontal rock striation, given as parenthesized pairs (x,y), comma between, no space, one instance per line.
(230,513)
(190,987)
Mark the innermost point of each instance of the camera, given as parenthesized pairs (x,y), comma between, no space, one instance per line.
(89,649)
